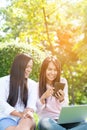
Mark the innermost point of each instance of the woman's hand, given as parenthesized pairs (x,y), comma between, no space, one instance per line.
(48,93)
(28,113)
(28,109)
(60,95)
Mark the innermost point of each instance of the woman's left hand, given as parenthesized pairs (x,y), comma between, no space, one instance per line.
(28,113)
(60,95)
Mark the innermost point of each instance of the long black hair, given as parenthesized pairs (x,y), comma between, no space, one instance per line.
(18,83)
(42,77)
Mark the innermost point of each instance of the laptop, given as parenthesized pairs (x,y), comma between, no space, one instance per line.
(73,114)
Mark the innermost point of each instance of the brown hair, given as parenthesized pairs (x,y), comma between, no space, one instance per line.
(42,78)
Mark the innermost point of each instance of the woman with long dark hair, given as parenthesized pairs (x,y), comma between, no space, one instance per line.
(18,95)
(49,104)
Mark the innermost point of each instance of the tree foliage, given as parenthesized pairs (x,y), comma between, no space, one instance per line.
(9,50)
(57,27)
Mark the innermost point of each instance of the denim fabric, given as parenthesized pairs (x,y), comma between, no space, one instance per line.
(49,124)
(82,126)
(6,122)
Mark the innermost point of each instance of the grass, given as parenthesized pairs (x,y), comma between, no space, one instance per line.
(36,120)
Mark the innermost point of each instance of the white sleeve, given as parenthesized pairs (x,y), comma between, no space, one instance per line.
(32,95)
(4,89)
(5,107)
(40,106)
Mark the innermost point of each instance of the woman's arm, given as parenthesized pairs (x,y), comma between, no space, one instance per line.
(27,113)
(17,113)
(32,94)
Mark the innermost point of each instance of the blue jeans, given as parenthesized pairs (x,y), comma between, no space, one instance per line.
(6,122)
(50,124)
(82,126)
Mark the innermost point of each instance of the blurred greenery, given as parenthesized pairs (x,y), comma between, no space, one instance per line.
(36,120)
(9,51)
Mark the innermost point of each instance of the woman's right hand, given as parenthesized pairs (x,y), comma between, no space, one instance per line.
(28,113)
(48,93)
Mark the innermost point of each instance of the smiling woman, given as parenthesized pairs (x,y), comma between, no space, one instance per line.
(49,105)
(17,92)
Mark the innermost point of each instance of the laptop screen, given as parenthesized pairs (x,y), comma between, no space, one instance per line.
(72,114)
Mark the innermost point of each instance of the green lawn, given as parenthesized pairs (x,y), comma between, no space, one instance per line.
(36,119)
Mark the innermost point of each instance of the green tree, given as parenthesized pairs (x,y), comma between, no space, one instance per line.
(58,27)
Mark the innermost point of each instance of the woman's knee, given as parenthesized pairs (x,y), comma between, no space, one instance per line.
(28,123)
(44,121)
(49,124)
(45,124)
(31,123)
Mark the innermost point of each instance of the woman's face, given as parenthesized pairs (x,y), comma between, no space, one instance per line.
(28,68)
(51,73)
